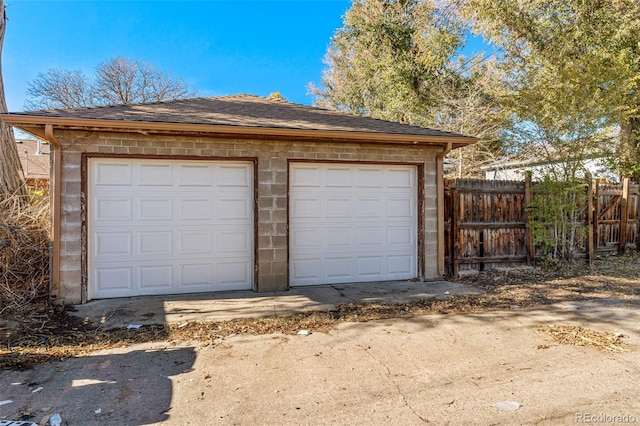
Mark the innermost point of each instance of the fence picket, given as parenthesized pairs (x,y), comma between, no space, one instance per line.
(488,222)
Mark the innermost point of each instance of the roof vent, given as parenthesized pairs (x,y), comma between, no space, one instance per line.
(276,96)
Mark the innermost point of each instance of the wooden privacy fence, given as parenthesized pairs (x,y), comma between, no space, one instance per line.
(487,223)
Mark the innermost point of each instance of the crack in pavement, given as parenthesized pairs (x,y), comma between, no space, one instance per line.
(339,290)
(404,397)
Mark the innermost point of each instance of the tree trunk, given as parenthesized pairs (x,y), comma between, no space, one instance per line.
(11,174)
(630,143)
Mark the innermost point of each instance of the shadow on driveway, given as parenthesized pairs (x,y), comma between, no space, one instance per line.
(118,313)
(125,386)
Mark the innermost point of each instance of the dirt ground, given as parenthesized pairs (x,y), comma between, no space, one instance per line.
(540,347)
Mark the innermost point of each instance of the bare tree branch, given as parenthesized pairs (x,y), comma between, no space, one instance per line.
(118,81)
(125,81)
(60,89)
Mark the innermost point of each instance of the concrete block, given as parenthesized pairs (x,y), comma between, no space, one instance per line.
(279,216)
(69,262)
(272,283)
(266,255)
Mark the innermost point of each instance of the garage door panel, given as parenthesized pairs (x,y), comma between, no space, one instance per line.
(194,242)
(113,244)
(400,178)
(157,208)
(305,208)
(195,209)
(370,267)
(400,265)
(400,236)
(234,208)
(370,207)
(113,174)
(371,236)
(109,209)
(305,238)
(306,270)
(371,178)
(400,207)
(338,268)
(153,243)
(195,175)
(234,177)
(338,177)
(232,273)
(338,237)
(233,241)
(365,228)
(306,176)
(114,278)
(196,275)
(155,277)
(154,175)
(192,232)
(338,207)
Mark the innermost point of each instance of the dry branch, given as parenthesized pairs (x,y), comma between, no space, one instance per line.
(24,250)
(580,336)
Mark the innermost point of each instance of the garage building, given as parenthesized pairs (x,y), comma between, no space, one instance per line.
(237,193)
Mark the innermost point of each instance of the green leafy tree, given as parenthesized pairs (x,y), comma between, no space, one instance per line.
(383,61)
(574,67)
(572,80)
(397,60)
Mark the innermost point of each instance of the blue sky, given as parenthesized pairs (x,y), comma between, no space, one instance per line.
(218,47)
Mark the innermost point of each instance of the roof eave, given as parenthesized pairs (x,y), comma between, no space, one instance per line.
(35,125)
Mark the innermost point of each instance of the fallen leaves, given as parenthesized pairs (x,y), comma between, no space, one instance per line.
(52,333)
(581,336)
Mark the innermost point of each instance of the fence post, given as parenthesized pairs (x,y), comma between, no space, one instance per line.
(596,216)
(528,200)
(591,252)
(447,223)
(637,218)
(455,238)
(624,215)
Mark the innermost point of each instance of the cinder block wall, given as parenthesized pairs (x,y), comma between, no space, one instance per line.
(272,172)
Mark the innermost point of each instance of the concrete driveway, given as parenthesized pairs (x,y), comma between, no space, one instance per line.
(438,369)
(113,313)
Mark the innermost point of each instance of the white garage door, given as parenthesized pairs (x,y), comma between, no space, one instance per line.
(352,223)
(166,226)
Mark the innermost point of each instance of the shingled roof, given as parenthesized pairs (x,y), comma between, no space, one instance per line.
(242,111)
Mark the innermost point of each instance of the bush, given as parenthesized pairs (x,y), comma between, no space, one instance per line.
(559,209)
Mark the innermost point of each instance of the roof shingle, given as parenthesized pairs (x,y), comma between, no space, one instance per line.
(242,111)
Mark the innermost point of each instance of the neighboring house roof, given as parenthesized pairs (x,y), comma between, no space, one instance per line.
(518,162)
(538,155)
(239,114)
(515,168)
(34,156)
